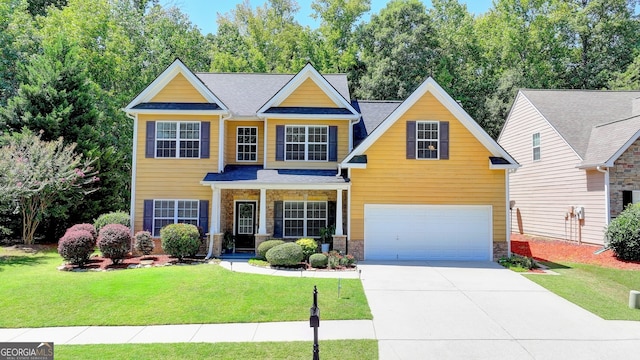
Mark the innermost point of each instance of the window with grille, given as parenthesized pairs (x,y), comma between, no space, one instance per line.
(427,137)
(309,143)
(177,139)
(247,143)
(304,218)
(167,212)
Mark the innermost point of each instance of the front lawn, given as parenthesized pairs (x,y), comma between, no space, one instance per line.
(602,291)
(334,349)
(35,294)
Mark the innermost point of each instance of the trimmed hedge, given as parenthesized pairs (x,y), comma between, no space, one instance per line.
(180,240)
(287,254)
(265,246)
(318,261)
(114,217)
(623,234)
(87,227)
(76,246)
(144,242)
(309,247)
(114,241)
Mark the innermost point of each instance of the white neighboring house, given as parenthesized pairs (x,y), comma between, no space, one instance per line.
(579,152)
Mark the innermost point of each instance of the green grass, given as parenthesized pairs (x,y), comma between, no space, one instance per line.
(34,294)
(602,291)
(334,349)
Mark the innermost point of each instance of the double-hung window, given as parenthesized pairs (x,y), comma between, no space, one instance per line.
(247,143)
(536,146)
(177,139)
(427,137)
(308,143)
(167,212)
(304,218)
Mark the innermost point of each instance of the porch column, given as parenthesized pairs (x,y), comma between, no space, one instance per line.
(262,221)
(339,230)
(214,227)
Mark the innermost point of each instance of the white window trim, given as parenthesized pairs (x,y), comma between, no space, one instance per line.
(238,144)
(533,147)
(306,142)
(425,140)
(177,139)
(305,219)
(175,213)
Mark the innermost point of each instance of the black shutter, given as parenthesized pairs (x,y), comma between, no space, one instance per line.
(278,219)
(147,217)
(331,213)
(150,145)
(444,140)
(205,139)
(203,216)
(411,139)
(333,143)
(279,142)
(627,198)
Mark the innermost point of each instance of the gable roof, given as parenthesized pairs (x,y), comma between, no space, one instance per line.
(308,72)
(432,87)
(373,113)
(143,102)
(608,141)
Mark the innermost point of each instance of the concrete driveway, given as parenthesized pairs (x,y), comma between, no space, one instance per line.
(479,310)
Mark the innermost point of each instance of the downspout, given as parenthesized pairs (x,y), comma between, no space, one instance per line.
(508,211)
(607,218)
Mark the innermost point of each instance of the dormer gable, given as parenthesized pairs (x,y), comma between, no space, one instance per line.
(321,99)
(177,89)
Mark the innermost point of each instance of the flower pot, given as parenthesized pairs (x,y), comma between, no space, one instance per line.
(324,247)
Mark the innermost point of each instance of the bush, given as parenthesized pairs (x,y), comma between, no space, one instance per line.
(623,234)
(318,261)
(76,246)
(266,246)
(87,227)
(114,217)
(309,247)
(180,240)
(287,254)
(114,241)
(144,242)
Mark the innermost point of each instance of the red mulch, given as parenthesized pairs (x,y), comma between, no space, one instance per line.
(558,250)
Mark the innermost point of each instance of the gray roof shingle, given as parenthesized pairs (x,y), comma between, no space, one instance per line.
(607,139)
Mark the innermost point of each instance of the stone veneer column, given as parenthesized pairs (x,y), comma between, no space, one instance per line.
(356,248)
(217,244)
(259,239)
(500,249)
(340,243)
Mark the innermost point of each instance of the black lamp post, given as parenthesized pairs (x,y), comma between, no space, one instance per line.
(314,321)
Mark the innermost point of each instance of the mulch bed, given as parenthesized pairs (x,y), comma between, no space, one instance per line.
(552,250)
(99,262)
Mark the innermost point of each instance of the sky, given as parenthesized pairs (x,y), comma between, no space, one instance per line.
(203,13)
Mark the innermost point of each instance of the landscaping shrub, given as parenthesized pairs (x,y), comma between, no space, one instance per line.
(623,234)
(144,242)
(334,259)
(76,246)
(309,247)
(114,217)
(318,261)
(287,254)
(180,240)
(114,241)
(266,246)
(88,227)
(517,263)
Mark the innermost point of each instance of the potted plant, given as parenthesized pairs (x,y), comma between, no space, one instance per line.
(326,237)
(228,242)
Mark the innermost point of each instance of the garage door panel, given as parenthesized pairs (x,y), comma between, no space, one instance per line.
(427,232)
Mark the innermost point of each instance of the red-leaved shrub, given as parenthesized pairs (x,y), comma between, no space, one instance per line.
(76,246)
(88,227)
(114,241)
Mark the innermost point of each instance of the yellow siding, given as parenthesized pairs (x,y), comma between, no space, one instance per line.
(179,89)
(172,178)
(343,144)
(308,94)
(463,179)
(231,138)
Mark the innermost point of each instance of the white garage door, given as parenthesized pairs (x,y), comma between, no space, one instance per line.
(427,232)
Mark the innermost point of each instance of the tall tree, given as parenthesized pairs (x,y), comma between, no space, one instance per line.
(398,50)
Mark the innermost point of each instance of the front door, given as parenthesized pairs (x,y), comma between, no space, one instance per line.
(245,225)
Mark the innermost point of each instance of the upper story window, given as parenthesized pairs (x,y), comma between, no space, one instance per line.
(536,146)
(427,138)
(167,212)
(177,139)
(309,143)
(247,143)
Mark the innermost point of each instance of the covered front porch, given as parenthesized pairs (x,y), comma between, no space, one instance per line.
(252,205)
